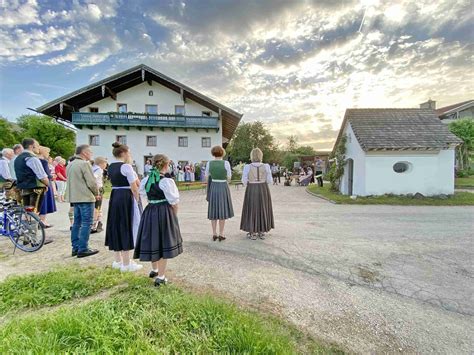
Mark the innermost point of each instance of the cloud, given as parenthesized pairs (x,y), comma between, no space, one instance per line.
(295,65)
(16,13)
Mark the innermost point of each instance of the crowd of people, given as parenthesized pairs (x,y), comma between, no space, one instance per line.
(149,234)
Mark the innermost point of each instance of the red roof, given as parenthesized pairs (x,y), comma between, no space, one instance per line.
(445,109)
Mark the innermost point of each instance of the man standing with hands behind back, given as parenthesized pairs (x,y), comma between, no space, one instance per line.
(82,192)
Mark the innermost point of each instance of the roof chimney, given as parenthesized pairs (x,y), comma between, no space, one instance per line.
(430,104)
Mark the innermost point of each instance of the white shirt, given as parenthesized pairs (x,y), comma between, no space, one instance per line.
(245,173)
(34,164)
(5,169)
(12,167)
(167,185)
(228,169)
(99,175)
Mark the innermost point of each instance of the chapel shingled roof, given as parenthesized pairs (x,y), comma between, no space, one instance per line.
(398,129)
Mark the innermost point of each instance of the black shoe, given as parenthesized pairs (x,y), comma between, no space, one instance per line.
(153,274)
(47,226)
(74,253)
(100,227)
(48,241)
(93,231)
(88,252)
(159,281)
(70,228)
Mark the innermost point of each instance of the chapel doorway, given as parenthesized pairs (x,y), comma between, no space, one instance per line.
(350,174)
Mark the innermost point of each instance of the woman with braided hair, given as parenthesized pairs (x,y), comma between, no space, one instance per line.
(159,237)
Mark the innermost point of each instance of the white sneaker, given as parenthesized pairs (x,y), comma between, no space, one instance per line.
(116,265)
(132,267)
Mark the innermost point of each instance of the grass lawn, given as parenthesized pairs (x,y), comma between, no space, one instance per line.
(96,310)
(459,198)
(464,182)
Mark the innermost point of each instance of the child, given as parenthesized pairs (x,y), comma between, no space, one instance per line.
(98,169)
(159,237)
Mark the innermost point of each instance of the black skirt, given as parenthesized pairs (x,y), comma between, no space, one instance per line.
(257,210)
(119,230)
(158,234)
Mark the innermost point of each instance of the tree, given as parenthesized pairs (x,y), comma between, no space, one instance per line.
(464,129)
(49,133)
(9,136)
(291,145)
(252,135)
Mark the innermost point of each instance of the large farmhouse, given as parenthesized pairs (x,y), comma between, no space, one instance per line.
(397,151)
(149,112)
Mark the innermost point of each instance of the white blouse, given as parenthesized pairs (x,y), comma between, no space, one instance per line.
(169,189)
(127,171)
(227,168)
(245,172)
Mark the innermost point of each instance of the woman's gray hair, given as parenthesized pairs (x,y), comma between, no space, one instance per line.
(256,155)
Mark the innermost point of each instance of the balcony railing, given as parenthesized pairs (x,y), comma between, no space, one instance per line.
(143,120)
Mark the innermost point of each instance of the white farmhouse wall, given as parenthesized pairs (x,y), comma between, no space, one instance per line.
(167,141)
(354,152)
(430,173)
(137,97)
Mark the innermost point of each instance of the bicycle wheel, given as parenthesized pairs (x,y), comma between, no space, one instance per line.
(27,232)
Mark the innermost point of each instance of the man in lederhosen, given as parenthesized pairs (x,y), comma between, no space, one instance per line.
(32,180)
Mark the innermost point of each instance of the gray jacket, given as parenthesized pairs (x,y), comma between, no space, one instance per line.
(81,184)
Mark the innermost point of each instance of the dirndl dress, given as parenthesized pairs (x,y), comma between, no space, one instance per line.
(123,216)
(218,194)
(159,235)
(49,204)
(257,210)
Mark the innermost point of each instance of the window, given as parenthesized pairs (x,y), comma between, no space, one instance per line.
(179,110)
(206,113)
(151,109)
(94,140)
(93,109)
(182,141)
(150,93)
(401,167)
(122,108)
(122,139)
(206,142)
(151,141)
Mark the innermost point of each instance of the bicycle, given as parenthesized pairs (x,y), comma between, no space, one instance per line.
(21,225)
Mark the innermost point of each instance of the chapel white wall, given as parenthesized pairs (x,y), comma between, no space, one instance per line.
(354,152)
(430,173)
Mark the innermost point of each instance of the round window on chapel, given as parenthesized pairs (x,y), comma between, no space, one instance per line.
(401,167)
(150,93)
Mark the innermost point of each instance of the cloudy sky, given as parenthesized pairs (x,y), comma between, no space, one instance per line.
(295,65)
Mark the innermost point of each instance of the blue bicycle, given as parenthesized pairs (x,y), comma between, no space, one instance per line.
(21,225)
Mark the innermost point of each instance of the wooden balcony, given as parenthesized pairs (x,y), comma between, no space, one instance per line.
(140,120)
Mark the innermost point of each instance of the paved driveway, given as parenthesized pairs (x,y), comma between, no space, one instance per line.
(370,278)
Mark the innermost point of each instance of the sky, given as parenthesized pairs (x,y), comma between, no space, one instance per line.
(294,65)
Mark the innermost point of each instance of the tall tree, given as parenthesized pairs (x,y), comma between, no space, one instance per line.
(464,129)
(49,133)
(9,136)
(252,135)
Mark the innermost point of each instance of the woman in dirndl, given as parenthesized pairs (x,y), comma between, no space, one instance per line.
(123,217)
(257,211)
(159,237)
(218,175)
(49,204)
